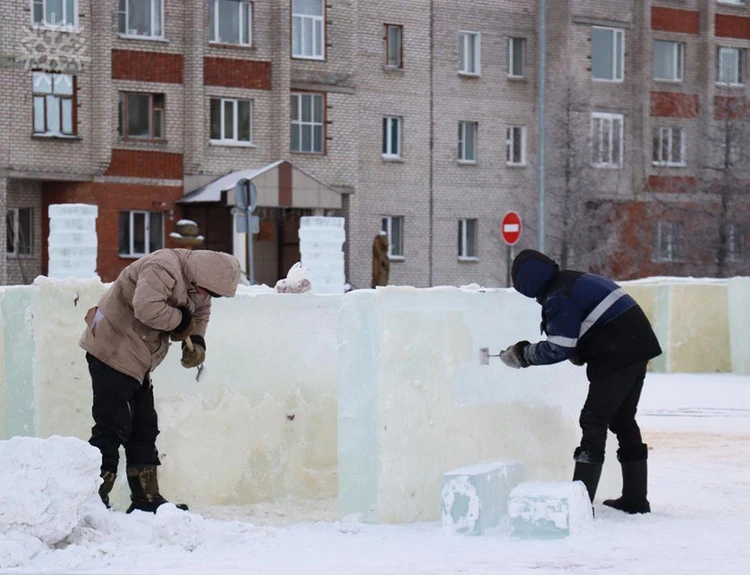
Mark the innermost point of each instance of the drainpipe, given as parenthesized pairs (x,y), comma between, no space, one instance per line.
(542,120)
(432,142)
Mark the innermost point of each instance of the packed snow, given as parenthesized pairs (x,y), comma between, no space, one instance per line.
(698,428)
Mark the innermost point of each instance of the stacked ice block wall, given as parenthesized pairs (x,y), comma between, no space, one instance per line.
(321,247)
(72,240)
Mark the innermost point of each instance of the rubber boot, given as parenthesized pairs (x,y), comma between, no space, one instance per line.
(634,488)
(589,474)
(144,490)
(108,482)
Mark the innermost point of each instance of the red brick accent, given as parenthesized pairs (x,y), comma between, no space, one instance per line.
(674,20)
(730,107)
(111,199)
(147,66)
(675,184)
(145,164)
(728,26)
(674,105)
(233,73)
(285,185)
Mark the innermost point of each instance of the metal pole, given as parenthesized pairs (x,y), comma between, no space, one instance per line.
(249,238)
(508,264)
(542,119)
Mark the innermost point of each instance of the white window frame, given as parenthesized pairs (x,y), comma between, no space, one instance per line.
(125,13)
(388,121)
(387,227)
(16,233)
(740,71)
(668,133)
(510,140)
(463,233)
(147,233)
(299,122)
(675,248)
(53,25)
(678,61)
(597,139)
(51,96)
(464,40)
(318,26)
(615,33)
(462,159)
(735,242)
(224,141)
(511,57)
(248,23)
(733,2)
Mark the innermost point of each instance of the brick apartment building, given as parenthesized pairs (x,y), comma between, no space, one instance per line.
(418,118)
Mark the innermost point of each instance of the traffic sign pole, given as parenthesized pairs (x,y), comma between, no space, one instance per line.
(510,230)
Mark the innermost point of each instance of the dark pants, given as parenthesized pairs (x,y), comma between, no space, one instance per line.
(612,403)
(124,414)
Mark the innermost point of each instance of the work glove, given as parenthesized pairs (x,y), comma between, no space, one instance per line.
(576,360)
(193,358)
(513,356)
(186,327)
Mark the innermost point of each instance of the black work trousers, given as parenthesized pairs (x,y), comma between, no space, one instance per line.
(612,403)
(124,414)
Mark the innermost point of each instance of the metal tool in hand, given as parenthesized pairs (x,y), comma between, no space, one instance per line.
(191,348)
(485,355)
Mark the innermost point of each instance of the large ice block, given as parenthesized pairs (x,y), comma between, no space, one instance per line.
(475,498)
(321,241)
(549,510)
(738,293)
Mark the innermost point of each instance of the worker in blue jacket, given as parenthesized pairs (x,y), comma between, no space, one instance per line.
(591,321)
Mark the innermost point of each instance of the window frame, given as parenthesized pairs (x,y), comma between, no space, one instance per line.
(62,27)
(463,36)
(15,253)
(511,59)
(733,2)
(463,237)
(609,118)
(323,32)
(740,71)
(299,122)
(462,142)
(736,244)
(509,141)
(387,137)
(386,40)
(73,105)
(678,57)
(234,141)
(386,225)
(213,37)
(670,140)
(675,254)
(124,13)
(615,33)
(152,108)
(146,232)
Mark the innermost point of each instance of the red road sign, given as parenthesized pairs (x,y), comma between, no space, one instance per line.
(510,228)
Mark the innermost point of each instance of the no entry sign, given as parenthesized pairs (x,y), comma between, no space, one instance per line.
(511,228)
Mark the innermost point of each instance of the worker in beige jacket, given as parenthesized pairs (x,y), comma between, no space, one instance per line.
(164,295)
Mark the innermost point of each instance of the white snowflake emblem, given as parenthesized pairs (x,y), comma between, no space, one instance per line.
(53,50)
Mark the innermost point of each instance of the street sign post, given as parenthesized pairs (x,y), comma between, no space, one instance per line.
(510,230)
(246,200)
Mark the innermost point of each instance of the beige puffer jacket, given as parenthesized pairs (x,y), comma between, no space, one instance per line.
(129,329)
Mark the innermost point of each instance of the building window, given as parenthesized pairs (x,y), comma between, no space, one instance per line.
(307,123)
(391,137)
(231,22)
(607,54)
(668,61)
(393,226)
(668,246)
(735,242)
(55,13)
(308,31)
(393,38)
(141,233)
(54,104)
(516,146)
(141,116)
(730,66)
(734,2)
(669,147)
(467,239)
(469,53)
(516,57)
(467,142)
(142,18)
(606,140)
(231,121)
(20,231)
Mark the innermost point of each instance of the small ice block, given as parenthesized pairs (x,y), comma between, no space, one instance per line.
(551,510)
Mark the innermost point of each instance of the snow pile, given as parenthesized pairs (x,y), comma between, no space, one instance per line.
(296,280)
(47,487)
(173,526)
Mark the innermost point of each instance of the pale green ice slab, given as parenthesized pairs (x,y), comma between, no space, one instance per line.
(549,510)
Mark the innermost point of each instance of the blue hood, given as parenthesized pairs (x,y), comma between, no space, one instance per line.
(533,272)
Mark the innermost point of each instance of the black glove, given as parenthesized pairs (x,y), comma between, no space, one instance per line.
(186,327)
(513,356)
(197,356)
(576,360)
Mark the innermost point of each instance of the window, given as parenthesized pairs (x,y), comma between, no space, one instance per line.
(467,239)
(391,137)
(607,54)
(231,121)
(54,104)
(469,53)
(55,13)
(20,231)
(669,147)
(308,33)
(231,22)
(141,233)
(141,116)
(516,57)
(516,146)
(467,142)
(735,242)
(668,246)
(668,60)
(307,123)
(735,2)
(731,66)
(393,226)
(606,140)
(142,18)
(393,46)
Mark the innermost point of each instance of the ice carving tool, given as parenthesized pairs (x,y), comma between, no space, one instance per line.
(485,355)
(191,348)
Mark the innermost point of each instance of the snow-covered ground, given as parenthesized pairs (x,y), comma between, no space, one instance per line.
(697,425)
